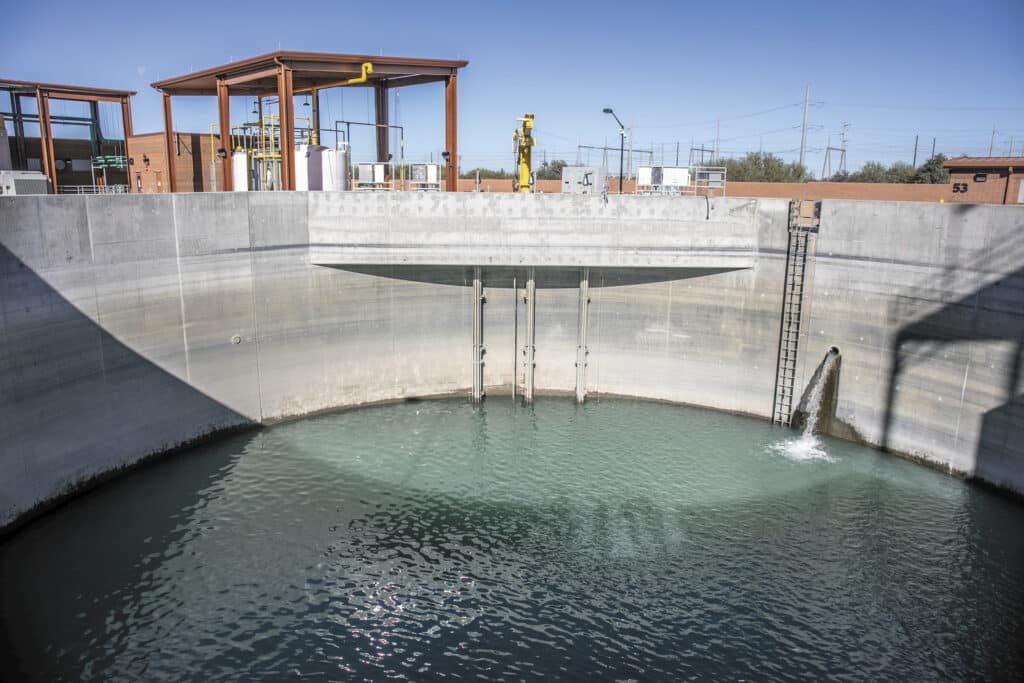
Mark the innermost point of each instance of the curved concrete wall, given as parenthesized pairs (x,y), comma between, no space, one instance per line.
(132,325)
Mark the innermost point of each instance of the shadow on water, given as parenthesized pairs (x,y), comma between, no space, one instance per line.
(992,310)
(75,399)
(100,547)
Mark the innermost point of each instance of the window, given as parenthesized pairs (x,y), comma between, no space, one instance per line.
(980,177)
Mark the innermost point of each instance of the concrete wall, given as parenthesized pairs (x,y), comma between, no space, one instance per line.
(131,325)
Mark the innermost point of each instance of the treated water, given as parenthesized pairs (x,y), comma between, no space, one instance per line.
(616,541)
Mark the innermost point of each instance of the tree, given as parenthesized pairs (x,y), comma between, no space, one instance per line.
(870,172)
(900,172)
(932,172)
(763,167)
(551,170)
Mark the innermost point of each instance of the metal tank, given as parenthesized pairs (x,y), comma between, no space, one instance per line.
(335,169)
(240,172)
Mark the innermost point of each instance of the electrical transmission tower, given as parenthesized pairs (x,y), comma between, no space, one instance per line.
(826,167)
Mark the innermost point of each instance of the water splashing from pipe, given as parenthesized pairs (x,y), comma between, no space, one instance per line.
(808,446)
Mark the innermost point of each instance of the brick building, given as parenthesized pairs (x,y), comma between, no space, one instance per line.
(987,180)
(147,163)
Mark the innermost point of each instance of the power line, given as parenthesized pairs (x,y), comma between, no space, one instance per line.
(725,118)
(912,107)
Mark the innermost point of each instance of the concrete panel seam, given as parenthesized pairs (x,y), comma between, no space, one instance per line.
(255,316)
(181,293)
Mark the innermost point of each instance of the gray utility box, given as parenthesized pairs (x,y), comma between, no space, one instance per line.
(582,180)
(23,182)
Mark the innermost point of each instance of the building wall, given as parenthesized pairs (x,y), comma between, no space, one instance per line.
(997,186)
(192,169)
(69,149)
(130,326)
(815,190)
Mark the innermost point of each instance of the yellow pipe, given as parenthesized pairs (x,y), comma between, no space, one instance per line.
(365,70)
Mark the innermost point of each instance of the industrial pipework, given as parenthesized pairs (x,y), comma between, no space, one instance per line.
(522,145)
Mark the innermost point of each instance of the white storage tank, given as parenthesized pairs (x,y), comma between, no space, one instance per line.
(335,169)
(240,172)
(309,173)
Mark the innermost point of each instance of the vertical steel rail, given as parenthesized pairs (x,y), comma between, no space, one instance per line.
(531,333)
(582,352)
(515,337)
(478,335)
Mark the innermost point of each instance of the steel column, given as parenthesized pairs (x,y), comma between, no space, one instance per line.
(19,130)
(169,143)
(478,335)
(286,107)
(224,118)
(49,160)
(582,351)
(451,133)
(126,120)
(315,133)
(380,98)
(529,351)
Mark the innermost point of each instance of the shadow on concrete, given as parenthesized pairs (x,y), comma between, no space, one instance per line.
(992,310)
(76,401)
(547,278)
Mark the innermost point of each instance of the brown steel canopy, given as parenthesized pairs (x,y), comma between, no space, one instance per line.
(43,93)
(285,74)
(258,75)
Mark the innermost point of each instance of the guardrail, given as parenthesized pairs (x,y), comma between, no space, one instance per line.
(94,189)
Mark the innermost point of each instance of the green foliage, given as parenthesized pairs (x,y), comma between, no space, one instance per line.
(871,172)
(900,172)
(930,172)
(551,170)
(487,174)
(763,167)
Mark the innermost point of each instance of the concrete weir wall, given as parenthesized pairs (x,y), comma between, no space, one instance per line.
(134,325)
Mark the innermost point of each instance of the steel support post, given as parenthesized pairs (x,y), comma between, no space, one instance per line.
(172,184)
(581,336)
(478,336)
(50,161)
(224,119)
(451,133)
(529,351)
(381,118)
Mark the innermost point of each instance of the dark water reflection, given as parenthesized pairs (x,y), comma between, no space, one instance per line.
(618,541)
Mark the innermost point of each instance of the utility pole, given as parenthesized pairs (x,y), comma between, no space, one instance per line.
(630,165)
(677,152)
(992,143)
(717,138)
(915,152)
(803,134)
(1011,147)
(933,146)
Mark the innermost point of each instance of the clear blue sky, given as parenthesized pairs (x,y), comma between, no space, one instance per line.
(948,69)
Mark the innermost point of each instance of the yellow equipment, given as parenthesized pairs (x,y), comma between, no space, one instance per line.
(522,145)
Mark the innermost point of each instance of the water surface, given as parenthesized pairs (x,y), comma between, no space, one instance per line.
(616,541)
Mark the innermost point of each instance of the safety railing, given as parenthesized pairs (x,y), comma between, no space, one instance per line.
(94,189)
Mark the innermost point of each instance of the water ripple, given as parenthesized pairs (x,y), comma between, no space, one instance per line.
(620,541)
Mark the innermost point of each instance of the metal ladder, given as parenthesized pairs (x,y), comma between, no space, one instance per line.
(803,222)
